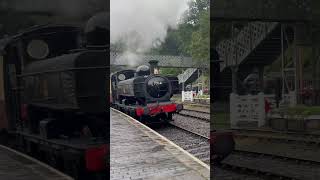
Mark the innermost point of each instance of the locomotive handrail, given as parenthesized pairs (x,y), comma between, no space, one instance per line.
(62,70)
(60,143)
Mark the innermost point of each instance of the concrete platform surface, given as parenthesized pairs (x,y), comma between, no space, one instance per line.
(17,166)
(137,153)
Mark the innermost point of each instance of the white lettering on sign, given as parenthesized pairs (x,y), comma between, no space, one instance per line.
(251,109)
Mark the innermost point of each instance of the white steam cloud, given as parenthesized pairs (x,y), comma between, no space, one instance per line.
(143,24)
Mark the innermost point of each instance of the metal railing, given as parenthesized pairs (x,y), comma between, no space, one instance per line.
(234,51)
(186,75)
(118,59)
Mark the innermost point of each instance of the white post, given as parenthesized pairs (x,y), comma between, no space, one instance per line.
(233,110)
(293,98)
(191,96)
(261,110)
(183,98)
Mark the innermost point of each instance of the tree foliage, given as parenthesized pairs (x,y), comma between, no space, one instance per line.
(192,37)
(199,48)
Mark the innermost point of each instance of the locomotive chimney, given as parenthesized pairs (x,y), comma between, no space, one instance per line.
(154,69)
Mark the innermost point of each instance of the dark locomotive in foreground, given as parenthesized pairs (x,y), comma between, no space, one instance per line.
(54,109)
(144,95)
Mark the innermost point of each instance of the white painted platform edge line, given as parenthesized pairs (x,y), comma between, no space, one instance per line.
(38,162)
(164,138)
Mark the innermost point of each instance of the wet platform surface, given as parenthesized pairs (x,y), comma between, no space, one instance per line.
(139,153)
(17,166)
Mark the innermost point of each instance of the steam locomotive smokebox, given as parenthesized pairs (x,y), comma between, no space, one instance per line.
(48,128)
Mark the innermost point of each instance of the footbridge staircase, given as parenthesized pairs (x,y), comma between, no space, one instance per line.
(189,75)
(258,44)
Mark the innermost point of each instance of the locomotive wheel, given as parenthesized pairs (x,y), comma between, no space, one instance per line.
(169,116)
(141,119)
(133,114)
(75,172)
(4,137)
(222,147)
(54,160)
(72,168)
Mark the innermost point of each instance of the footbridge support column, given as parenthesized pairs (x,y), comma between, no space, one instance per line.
(234,70)
(316,64)
(302,39)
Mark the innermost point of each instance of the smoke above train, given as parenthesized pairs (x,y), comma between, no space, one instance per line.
(141,25)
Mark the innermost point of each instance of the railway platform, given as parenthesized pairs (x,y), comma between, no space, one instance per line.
(138,152)
(17,166)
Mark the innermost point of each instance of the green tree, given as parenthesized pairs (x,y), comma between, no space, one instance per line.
(178,41)
(171,71)
(199,48)
(196,7)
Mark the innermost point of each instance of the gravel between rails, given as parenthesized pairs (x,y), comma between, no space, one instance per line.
(192,124)
(192,143)
(195,114)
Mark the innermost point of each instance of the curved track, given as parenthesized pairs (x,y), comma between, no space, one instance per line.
(192,124)
(271,166)
(276,154)
(288,137)
(196,144)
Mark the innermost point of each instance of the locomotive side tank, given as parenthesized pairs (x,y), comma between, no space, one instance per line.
(65,82)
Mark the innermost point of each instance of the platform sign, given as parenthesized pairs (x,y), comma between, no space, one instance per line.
(250,110)
(270,10)
(187,96)
(247,111)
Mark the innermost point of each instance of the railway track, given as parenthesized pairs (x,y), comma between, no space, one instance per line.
(278,136)
(189,133)
(193,124)
(194,143)
(202,115)
(270,166)
(230,173)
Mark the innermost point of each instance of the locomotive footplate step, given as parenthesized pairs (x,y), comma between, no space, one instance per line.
(17,166)
(137,152)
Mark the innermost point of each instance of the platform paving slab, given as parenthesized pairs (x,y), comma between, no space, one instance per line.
(17,166)
(138,153)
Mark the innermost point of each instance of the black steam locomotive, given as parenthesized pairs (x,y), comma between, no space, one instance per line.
(53,108)
(144,95)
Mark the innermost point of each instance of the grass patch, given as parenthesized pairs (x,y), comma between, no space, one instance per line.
(221,120)
(203,96)
(299,112)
